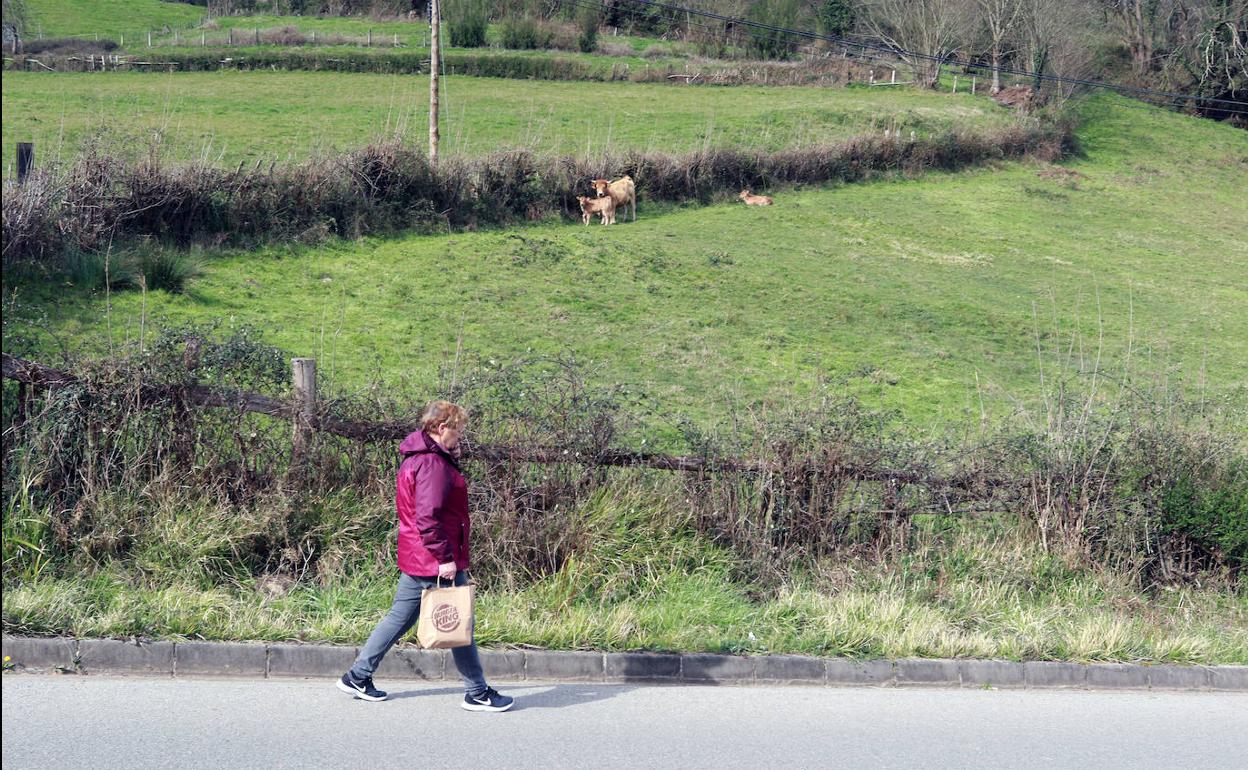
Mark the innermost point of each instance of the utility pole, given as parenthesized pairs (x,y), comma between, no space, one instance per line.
(435,23)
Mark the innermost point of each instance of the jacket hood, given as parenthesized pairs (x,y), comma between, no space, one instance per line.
(416,443)
(419,442)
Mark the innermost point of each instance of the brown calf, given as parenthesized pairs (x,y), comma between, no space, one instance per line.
(755,200)
(602,206)
(622,191)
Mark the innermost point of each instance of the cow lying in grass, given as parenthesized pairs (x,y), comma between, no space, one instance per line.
(622,191)
(755,200)
(605,207)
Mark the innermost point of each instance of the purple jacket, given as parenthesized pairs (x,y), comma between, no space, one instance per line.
(431,496)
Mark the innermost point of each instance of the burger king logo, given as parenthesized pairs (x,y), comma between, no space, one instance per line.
(445,618)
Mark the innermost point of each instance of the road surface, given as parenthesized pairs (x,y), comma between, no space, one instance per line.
(81,722)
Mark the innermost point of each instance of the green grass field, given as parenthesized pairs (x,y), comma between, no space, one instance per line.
(938,296)
(410,33)
(109,18)
(232,116)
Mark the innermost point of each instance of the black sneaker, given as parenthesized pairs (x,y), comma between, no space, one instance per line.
(360,688)
(490,700)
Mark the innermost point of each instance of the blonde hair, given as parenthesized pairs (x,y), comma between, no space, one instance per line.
(439,413)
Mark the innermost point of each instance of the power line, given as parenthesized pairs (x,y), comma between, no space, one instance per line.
(902,53)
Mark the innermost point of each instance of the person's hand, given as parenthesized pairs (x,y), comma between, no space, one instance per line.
(447,571)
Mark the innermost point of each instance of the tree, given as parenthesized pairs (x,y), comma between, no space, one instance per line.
(836,17)
(1000,19)
(1209,54)
(772,44)
(1053,41)
(1136,20)
(933,29)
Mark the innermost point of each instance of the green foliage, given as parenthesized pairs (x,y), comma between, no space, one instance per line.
(1209,514)
(836,17)
(525,33)
(93,270)
(466,23)
(644,581)
(588,20)
(768,44)
(168,269)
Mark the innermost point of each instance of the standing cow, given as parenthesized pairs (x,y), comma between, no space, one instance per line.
(622,191)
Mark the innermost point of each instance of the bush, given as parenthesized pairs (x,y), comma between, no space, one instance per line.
(526,34)
(588,40)
(286,35)
(68,46)
(92,270)
(390,187)
(836,17)
(168,269)
(466,23)
(770,44)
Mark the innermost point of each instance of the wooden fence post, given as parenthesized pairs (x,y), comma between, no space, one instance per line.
(303,371)
(25,160)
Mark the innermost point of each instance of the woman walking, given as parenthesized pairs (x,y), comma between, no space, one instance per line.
(431,497)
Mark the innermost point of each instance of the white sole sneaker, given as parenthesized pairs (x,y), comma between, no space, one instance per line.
(466,706)
(356,693)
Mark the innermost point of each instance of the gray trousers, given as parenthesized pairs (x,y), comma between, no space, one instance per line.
(399,620)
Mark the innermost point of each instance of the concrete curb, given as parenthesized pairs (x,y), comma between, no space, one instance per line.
(259,661)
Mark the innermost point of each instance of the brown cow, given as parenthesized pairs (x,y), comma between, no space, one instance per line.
(602,206)
(622,191)
(755,200)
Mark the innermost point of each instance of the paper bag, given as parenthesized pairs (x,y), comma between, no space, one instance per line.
(445,617)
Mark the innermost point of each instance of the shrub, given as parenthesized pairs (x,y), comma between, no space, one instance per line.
(92,270)
(836,17)
(286,35)
(168,269)
(525,33)
(466,23)
(389,187)
(772,44)
(589,21)
(68,46)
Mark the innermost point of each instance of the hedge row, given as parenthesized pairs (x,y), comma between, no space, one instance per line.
(100,199)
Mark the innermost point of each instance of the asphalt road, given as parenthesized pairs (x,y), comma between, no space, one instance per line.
(81,722)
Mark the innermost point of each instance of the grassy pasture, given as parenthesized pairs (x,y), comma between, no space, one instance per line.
(109,18)
(412,33)
(940,297)
(233,116)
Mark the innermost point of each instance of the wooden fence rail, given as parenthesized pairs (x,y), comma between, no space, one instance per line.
(304,413)
(306,416)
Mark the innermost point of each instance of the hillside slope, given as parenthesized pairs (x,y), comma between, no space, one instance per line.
(941,296)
